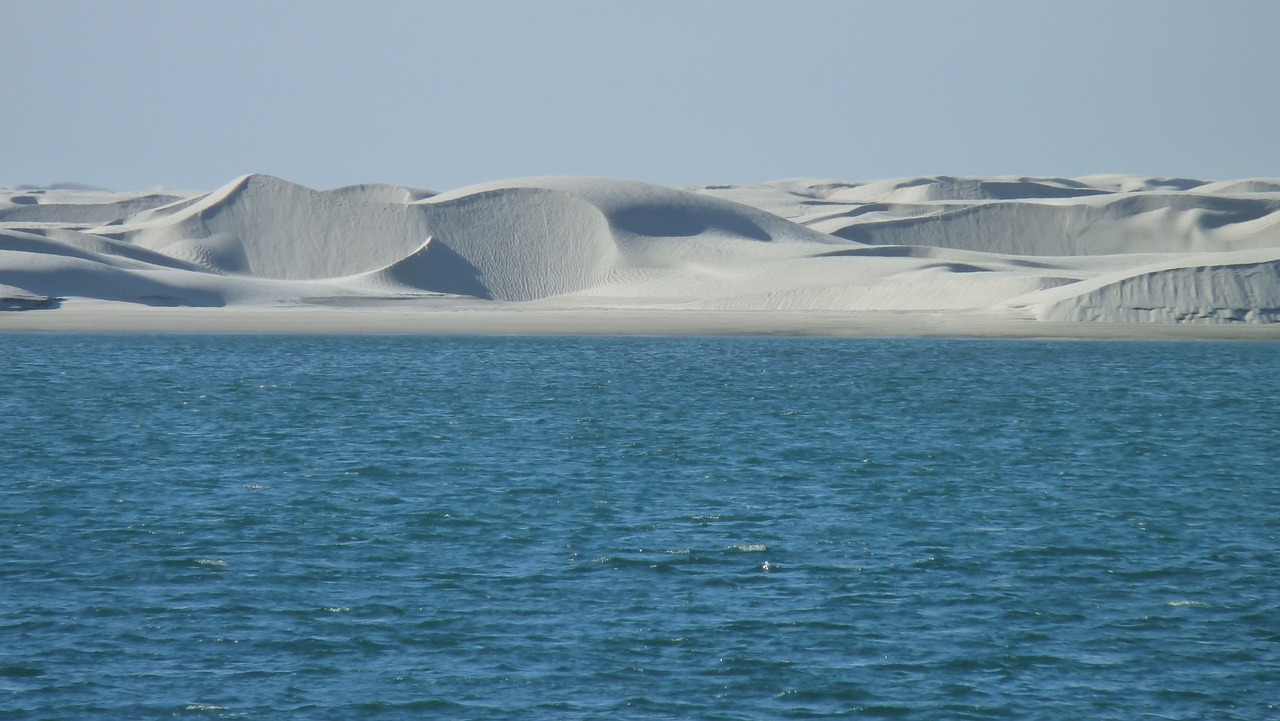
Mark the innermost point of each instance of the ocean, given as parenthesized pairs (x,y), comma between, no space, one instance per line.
(246,526)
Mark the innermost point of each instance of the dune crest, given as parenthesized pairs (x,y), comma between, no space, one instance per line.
(1115,248)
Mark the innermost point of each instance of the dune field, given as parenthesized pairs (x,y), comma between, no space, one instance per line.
(1096,256)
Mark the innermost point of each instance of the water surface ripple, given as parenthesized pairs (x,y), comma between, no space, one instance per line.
(519,528)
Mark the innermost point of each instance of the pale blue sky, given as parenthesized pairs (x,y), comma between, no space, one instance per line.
(131,94)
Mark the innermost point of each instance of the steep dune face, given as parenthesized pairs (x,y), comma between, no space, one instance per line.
(1106,248)
(271,228)
(513,244)
(1225,287)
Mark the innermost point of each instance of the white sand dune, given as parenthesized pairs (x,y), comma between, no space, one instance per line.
(1214,287)
(72,208)
(1111,248)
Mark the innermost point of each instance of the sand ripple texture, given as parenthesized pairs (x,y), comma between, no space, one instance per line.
(516,528)
(1099,248)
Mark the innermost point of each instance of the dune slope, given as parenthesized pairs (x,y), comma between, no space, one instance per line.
(1097,248)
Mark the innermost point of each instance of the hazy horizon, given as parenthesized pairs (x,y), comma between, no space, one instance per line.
(143,94)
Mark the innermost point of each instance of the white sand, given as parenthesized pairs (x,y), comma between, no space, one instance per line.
(1102,256)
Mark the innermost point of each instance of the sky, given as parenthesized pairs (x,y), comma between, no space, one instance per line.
(144,94)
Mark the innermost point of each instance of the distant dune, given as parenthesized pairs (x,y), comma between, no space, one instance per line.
(1104,248)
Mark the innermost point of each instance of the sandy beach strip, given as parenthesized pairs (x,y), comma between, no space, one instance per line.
(518,319)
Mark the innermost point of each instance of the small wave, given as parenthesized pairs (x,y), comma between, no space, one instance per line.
(204,707)
(1185,602)
(751,547)
(211,562)
(419,705)
(20,672)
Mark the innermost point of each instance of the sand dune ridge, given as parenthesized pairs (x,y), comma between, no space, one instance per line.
(1096,248)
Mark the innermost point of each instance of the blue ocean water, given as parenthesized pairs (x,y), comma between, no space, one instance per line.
(600,528)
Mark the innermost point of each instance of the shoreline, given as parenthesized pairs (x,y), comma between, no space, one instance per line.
(473,318)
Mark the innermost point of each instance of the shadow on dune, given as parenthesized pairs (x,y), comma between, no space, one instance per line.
(1211,213)
(880,251)
(105,282)
(668,221)
(438,268)
(1026,190)
(957,267)
(30,302)
(856,233)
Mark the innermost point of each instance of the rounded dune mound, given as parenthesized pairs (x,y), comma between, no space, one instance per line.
(275,229)
(534,238)
(509,243)
(640,212)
